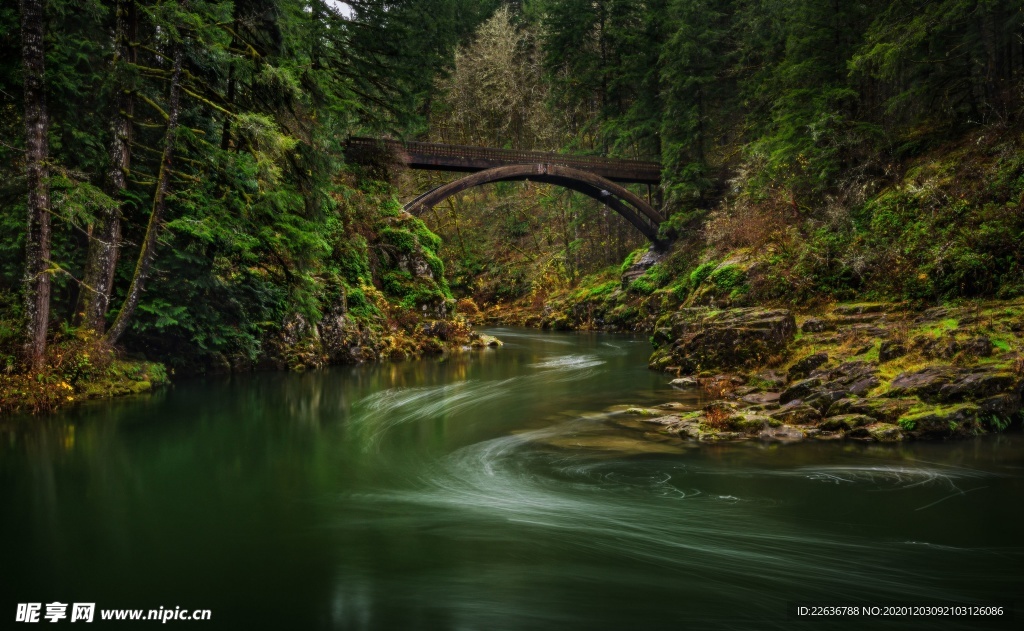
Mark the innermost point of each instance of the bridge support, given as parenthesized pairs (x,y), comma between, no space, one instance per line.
(635,209)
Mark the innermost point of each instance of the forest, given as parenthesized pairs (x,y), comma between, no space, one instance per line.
(175,195)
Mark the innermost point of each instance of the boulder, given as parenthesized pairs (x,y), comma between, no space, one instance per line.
(796,413)
(783,433)
(684,383)
(817,325)
(767,380)
(943,420)
(885,432)
(845,422)
(890,350)
(733,338)
(878,408)
(641,265)
(947,384)
(761,398)
(979,383)
(979,346)
(925,383)
(803,367)
(799,390)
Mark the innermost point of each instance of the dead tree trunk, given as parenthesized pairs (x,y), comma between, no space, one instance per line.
(37,237)
(148,250)
(104,241)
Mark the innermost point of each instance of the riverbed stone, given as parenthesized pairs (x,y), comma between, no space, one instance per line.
(783,433)
(684,383)
(706,339)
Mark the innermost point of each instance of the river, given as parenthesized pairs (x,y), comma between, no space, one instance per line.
(489,490)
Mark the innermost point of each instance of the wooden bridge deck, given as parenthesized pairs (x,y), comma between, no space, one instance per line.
(440,157)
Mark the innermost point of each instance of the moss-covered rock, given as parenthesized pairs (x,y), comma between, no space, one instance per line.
(706,339)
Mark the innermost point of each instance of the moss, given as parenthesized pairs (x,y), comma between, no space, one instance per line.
(632,256)
(728,277)
(1001,344)
(698,275)
(403,240)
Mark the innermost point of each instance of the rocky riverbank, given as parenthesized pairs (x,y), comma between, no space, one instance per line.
(876,372)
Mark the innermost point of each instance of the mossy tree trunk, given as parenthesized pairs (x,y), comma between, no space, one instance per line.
(37,237)
(148,250)
(104,240)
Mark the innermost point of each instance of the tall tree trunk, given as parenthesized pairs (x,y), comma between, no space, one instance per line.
(104,241)
(148,250)
(37,237)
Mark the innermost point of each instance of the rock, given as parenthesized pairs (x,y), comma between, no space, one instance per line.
(797,413)
(864,350)
(943,420)
(761,398)
(879,408)
(672,405)
(817,325)
(802,368)
(890,350)
(484,341)
(666,421)
(751,424)
(946,384)
(637,411)
(979,346)
(925,383)
(1003,406)
(799,390)
(941,348)
(885,433)
(975,384)
(767,380)
(732,338)
(641,265)
(783,433)
(860,308)
(684,382)
(845,422)
(823,399)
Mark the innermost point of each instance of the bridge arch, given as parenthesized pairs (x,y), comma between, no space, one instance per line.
(617,197)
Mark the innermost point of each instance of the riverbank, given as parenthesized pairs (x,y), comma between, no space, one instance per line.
(80,368)
(866,371)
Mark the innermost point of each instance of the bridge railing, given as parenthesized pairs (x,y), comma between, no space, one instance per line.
(432,154)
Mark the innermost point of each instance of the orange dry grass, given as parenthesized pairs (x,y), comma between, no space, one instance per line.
(716,417)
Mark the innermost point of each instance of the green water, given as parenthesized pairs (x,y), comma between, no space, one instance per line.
(488,491)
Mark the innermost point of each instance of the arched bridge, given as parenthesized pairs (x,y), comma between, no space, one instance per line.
(599,178)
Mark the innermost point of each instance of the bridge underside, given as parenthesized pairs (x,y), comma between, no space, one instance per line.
(637,211)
